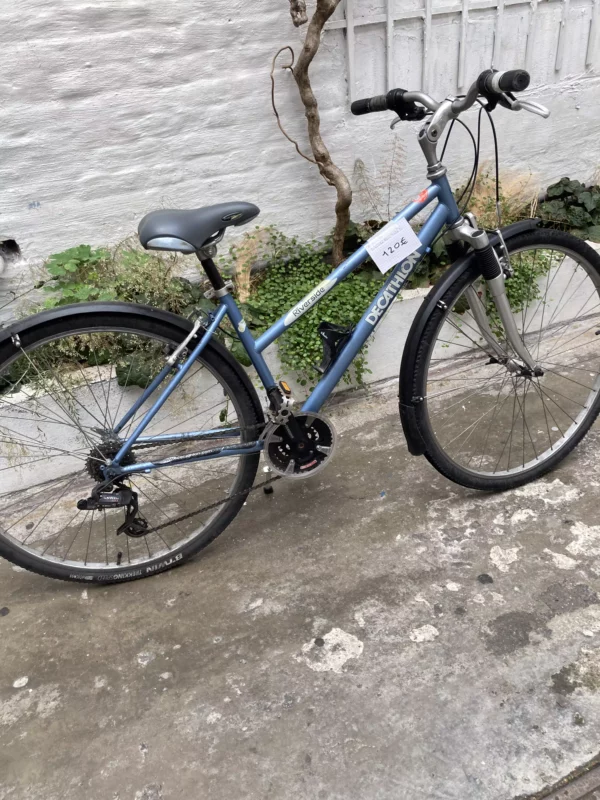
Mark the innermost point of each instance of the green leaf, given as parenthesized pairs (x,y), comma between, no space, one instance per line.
(559,188)
(238,351)
(575,187)
(588,200)
(578,217)
(554,210)
(439,248)
(593,233)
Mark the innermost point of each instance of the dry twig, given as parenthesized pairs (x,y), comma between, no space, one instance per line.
(281,128)
(330,171)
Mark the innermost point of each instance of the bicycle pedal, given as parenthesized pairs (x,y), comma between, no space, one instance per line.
(333,338)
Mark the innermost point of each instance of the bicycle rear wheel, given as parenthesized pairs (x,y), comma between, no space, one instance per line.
(65,380)
(484,425)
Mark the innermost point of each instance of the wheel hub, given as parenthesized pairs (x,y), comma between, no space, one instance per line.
(517,368)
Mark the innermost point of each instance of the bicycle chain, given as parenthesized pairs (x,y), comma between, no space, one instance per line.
(217,503)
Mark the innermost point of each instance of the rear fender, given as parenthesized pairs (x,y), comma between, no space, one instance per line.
(25,329)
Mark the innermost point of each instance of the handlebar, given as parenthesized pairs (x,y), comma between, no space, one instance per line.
(398,100)
(370,104)
(490,84)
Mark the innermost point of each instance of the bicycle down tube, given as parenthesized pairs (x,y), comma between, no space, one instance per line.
(446,211)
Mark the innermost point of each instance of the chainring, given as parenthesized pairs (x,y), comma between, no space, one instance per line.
(288,458)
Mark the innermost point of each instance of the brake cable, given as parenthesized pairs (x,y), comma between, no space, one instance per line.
(473,171)
(472,182)
(496,161)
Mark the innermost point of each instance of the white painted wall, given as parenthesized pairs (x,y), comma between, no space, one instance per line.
(111,108)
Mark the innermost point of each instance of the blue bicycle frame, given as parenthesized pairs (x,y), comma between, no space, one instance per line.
(445,212)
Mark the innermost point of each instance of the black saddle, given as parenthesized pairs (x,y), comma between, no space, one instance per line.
(188,231)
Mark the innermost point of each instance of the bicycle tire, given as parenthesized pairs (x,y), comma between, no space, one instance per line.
(433,451)
(127,318)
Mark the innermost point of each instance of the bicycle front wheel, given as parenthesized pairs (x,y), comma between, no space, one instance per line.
(486,425)
(65,382)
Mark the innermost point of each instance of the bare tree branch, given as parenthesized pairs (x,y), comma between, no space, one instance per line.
(298,12)
(289,66)
(332,173)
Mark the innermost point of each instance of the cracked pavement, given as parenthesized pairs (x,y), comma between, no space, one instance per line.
(373,632)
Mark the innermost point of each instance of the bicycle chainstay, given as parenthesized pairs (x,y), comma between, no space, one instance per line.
(217,503)
(199,438)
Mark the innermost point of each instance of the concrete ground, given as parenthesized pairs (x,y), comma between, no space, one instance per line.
(372,632)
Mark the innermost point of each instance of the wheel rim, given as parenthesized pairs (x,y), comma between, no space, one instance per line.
(58,400)
(490,421)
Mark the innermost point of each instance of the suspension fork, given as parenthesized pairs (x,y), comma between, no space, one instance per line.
(491,271)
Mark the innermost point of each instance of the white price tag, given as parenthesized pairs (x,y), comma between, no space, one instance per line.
(391,244)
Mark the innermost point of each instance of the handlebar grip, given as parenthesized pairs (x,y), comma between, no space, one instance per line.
(512,80)
(369,104)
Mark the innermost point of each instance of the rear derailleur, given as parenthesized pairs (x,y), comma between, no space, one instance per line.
(118,497)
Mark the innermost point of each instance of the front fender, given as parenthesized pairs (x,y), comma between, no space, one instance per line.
(459,267)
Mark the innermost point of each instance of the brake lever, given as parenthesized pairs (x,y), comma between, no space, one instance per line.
(532,107)
(508,100)
(417,118)
(407,111)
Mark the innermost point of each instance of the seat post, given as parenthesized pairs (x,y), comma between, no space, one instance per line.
(212,273)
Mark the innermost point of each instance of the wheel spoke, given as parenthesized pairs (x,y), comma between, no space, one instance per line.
(498,420)
(54,394)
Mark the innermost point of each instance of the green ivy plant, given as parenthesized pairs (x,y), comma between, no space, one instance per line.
(571,205)
(293,269)
(127,274)
(85,273)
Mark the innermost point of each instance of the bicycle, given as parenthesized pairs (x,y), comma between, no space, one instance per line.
(106,475)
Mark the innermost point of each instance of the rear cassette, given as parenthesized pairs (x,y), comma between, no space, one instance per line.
(293,459)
